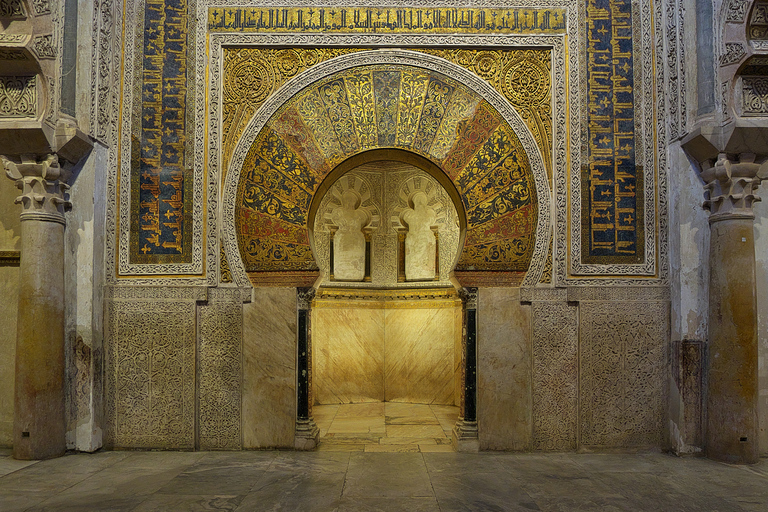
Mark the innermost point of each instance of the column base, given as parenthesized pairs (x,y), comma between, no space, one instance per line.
(464,437)
(307,435)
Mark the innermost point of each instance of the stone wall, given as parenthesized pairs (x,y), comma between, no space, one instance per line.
(582,368)
(10,237)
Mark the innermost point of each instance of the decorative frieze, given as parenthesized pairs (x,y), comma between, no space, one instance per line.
(12,9)
(43,46)
(43,194)
(734,52)
(41,7)
(754,95)
(731,187)
(737,11)
(12,38)
(18,94)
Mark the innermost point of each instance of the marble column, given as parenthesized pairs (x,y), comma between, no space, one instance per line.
(307,432)
(38,423)
(732,395)
(465,436)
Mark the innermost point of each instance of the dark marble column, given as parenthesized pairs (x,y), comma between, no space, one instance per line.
(732,396)
(38,422)
(307,432)
(465,438)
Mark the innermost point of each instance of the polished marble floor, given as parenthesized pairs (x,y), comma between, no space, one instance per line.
(385,427)
(388,482)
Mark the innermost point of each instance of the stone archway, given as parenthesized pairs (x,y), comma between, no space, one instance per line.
(377,100)
(346,108)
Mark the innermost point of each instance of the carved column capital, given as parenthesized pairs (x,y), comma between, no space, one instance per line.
(469,296)
(304,298)
(731,186)
(43,191)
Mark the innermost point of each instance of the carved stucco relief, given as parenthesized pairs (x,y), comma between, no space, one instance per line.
(622,373)
(555,375)
(220,370)
(150,369)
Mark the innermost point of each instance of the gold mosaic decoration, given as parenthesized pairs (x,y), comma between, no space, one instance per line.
(386,106)
(387,20)
(251,75)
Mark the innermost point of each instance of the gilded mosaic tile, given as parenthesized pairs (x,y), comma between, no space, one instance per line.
(612,182)
(387,20)
(161,178)
(410,106)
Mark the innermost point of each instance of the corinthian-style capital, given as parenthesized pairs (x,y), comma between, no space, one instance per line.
(304,298)
(731,186)
(469,296)
(43,193)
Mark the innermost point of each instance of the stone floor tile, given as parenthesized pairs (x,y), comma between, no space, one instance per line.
(331,446)
(188,503)
(370,409)
(388,505)
(369,425)
(68,502)
(391,448)
(432,448)
(295,491)
(387,475)
(214,480)
(408,440)
(8,464)
(55,475)
(409,414)
(613,463)
(309,462)
(459,463)
(417,431)
(17,500)
(476,491)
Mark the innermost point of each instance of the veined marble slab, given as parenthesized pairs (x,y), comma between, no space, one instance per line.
(375,353)
(269,372)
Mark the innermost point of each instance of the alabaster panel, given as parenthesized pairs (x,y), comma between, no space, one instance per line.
(504,402)
(348,354)
(623,373)
(269,373)
(419,355)
(150,369)
(9,290)
(220,370)
(555,375)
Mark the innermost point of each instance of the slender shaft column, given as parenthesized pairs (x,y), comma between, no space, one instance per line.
(38,423)
(732,399)
(465,434)
(307,432)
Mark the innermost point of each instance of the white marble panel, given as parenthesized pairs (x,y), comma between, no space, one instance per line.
(269,372)
(419,355)
(348,354)
(504,392)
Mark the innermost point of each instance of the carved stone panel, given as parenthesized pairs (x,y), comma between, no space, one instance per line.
(150,369)
(555,375)
(623,354)
(220,370)
(18,96)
